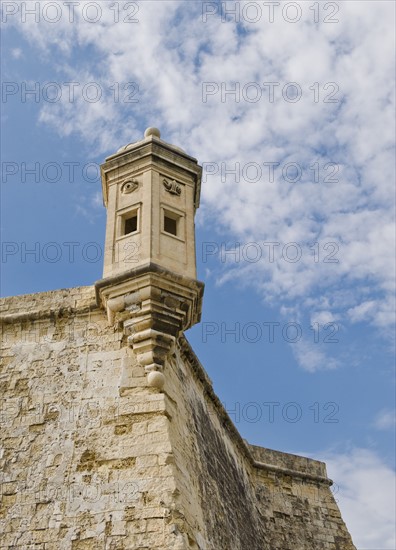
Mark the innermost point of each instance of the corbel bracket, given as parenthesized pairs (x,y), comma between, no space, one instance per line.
(155,305)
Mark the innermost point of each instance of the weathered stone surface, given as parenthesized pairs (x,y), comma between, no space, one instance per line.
(91,457)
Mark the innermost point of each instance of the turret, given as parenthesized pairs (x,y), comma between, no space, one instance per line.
(151,190)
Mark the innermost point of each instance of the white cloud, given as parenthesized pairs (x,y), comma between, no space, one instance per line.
(171,52)
(322,317)
(385,420)
(362,311)
(365,491)
(97,200)
(16,53)
(312,357)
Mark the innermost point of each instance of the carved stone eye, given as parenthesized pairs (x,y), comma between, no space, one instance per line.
(129,186)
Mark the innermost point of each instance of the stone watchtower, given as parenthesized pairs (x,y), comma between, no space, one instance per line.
(151,190)
(112,436)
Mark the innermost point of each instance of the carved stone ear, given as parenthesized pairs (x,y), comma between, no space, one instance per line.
(172,187)
(129,186)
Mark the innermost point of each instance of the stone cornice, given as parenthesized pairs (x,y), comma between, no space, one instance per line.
(126,276)
(292,473)
(53,303)
(157,149)
(47,313)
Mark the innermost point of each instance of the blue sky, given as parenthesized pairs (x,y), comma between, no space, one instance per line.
(332,156)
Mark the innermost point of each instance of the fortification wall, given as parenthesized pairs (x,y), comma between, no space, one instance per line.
(84,462)
(248,497)
(92,458)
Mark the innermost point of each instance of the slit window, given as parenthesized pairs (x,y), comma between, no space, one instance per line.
(170,224)
(131,224)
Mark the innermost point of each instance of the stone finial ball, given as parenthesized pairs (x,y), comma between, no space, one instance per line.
(156,379)
(152,132)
